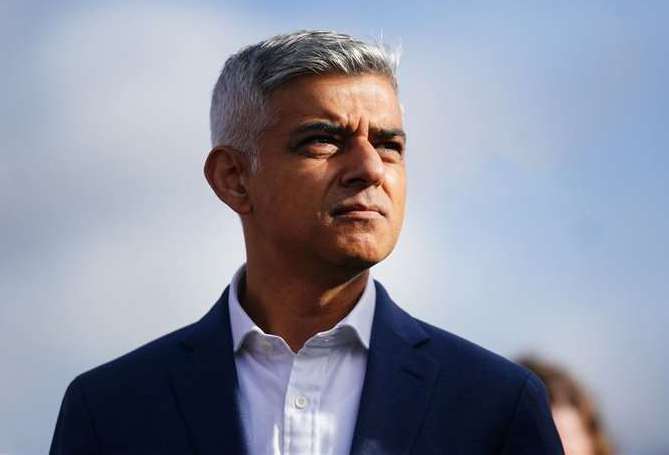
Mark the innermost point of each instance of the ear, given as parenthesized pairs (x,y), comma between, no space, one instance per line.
(226,171)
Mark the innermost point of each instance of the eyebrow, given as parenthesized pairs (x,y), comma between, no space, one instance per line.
(336,129)
(320,126)
(385,134)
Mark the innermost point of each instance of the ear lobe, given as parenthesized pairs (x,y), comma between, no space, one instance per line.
(225,170)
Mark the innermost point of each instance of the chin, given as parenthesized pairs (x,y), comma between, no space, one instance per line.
(360,255)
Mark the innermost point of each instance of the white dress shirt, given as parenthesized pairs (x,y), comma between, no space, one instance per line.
(304,402)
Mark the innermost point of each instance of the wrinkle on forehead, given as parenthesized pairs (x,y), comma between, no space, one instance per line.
(356,106)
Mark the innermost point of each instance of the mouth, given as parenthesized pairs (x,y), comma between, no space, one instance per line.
(357,211)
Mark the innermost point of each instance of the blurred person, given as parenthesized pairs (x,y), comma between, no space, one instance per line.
(575,415)
(304,353)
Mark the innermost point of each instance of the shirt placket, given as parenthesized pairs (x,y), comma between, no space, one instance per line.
(303,396)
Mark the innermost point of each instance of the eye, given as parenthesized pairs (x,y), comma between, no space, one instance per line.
(391,148)
(321,145)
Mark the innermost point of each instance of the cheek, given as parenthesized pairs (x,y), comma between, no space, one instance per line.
(294,195)
(395,185)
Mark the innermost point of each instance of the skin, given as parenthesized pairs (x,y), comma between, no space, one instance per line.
(326,203)
(573,433)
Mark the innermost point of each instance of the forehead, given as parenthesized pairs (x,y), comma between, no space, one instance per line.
(347,100)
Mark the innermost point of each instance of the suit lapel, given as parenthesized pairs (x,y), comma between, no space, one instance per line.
(398,382)
(205,384)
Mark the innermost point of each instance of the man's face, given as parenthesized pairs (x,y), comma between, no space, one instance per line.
(331,181)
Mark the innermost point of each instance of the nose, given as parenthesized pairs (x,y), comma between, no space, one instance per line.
(364,166)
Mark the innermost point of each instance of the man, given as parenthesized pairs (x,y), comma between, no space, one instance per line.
(304,353)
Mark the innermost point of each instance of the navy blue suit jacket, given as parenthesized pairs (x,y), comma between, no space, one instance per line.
(426,391)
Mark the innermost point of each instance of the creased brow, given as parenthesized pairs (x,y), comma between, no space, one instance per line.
(382,134)
(335,129)
(321,126)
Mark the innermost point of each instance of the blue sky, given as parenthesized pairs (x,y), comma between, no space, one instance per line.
(538,192)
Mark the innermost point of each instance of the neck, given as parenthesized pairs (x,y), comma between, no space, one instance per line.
(296,305)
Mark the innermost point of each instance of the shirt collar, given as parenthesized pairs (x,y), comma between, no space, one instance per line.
(359,318)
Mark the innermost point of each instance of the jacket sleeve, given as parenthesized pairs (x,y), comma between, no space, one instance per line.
(532,430)
(74,433)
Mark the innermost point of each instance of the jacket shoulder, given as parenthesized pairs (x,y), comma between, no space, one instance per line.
(501,406)
(465,364)
(446,346)
(155,354)
(141,375)
(475,364)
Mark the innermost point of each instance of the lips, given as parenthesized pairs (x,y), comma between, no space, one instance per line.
(357,209)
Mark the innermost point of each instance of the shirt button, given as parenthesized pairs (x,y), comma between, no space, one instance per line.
(266,346)
(301,402)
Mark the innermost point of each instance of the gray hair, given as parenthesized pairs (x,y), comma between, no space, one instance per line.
(239,110)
